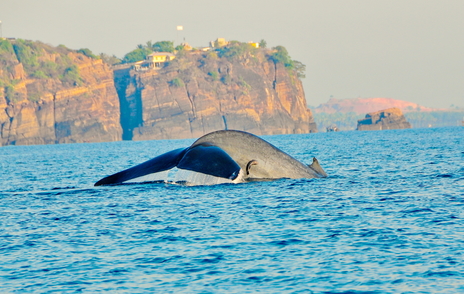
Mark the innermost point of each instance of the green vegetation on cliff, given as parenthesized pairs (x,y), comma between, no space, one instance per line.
(233,51)
(142,51)
(87,52)
(281,55)
(236,50)
(21,59)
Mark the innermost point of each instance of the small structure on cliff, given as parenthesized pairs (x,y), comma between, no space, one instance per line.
(203,92)
(387,119)
(153,61)
(237,87)
(220,42)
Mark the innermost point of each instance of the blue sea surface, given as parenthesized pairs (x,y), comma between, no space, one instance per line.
(388,219)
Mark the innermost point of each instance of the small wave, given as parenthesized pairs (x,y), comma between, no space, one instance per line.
(287,242)
(441,273)
(445,176)
(417,210)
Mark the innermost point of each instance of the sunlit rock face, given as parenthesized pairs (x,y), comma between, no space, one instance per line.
(52,95)
(387,119)
(199,92)
(47,107)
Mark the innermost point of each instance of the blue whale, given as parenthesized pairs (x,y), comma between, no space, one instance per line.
(233,155)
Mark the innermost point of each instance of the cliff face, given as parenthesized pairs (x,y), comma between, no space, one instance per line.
(387,119)
(201,92)
(79,104)
(52,95)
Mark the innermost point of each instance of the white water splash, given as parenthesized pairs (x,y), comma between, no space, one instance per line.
(185,177)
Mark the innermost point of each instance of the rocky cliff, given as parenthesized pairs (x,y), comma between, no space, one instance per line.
(55,95)
(387,119)
(200,92)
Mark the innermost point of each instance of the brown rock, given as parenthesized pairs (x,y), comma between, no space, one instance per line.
(45,111)
(195,95)
(387,119)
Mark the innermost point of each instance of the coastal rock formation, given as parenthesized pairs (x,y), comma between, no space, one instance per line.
(387,119)
(52,95)
(79,104)
(202,92)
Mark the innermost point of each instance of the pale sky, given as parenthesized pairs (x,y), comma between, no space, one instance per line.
(410,50)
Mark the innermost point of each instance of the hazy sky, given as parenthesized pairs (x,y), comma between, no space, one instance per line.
(411,50)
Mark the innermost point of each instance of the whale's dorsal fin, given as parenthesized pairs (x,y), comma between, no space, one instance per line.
(249,165)
(315,166)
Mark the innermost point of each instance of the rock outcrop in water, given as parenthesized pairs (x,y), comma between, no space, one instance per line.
(387,119)
(57,95)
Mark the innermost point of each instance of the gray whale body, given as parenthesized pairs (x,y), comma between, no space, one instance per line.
(235,155)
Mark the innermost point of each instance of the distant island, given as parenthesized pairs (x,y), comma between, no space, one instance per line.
(385,119)
(345,113)
(52,95)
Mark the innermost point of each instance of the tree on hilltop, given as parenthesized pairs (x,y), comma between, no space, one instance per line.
(87,52)
(281,55)
(163,46)
(142,51)
(136,55)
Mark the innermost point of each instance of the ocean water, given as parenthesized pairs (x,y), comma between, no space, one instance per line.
(388,219)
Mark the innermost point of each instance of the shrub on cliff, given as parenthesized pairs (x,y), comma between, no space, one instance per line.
(136,55)
(7,59)
(300,69)
(39,74)
(235,50)
(163,46)
(177,83)
(10,93)
(71,76)
(36,64)
(112,60)
(26,52)
(87,52)
(6,47)
(280,55)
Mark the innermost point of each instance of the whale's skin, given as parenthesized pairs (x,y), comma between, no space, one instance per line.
(272,163)
(235,155)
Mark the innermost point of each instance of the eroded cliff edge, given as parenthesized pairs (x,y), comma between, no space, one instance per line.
(200,92)
(55,95)
(51,95)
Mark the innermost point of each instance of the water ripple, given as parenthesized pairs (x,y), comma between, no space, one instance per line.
(388,219)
